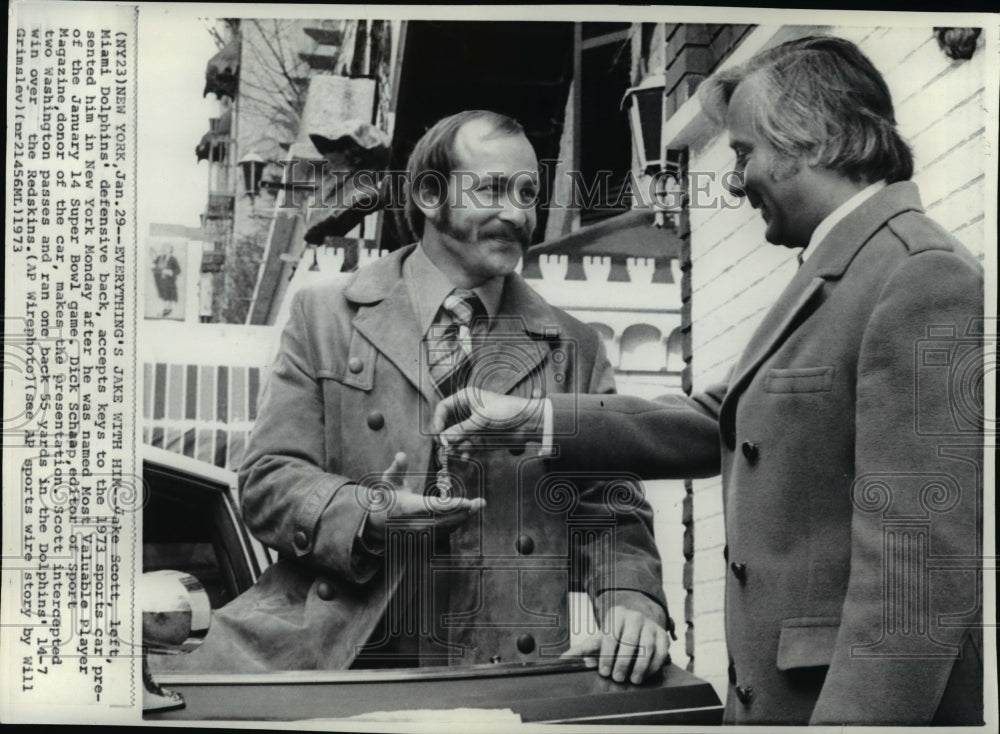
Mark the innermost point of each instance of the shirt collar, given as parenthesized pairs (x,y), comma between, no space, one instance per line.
(428,288)
(833,218)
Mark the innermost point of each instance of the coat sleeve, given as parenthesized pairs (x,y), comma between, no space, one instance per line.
(635,562)
(916,498)
(672,437)
(288,497)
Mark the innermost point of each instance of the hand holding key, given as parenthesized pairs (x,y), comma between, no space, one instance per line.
(448,513)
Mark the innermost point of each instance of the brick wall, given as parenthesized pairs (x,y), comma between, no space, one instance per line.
(736,274)
(693,51)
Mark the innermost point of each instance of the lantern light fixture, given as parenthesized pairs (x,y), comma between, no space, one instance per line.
(645,105)
(252,168)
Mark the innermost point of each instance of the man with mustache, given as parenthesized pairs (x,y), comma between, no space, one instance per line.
(850,453)
(392,555)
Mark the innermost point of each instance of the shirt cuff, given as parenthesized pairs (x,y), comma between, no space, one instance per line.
(546,449)
(368,546)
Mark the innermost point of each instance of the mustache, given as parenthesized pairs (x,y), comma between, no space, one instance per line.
(508,232)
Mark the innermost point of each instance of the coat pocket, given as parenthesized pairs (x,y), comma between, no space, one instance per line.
(807,642)
(800,379)
(359,369)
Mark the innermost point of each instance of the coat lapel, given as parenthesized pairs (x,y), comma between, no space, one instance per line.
(386,318)
(519,339)
(392,328)
(828,263)
(792,308)
(838,249)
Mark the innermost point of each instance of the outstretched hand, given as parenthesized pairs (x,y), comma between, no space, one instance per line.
(473,412)
(400,498)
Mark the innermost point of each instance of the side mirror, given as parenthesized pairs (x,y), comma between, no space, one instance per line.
(176,614)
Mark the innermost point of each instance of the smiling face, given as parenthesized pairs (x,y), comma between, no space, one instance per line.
(779,185)
(483,227)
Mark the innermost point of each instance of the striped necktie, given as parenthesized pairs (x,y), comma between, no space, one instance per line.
(450,340)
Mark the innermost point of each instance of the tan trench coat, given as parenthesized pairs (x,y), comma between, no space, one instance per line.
(348,390)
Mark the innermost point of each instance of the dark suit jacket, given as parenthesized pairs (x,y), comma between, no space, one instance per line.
(348,390)
(851,459)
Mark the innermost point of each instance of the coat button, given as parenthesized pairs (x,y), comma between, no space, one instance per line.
(744,694)
(751,451)
(525,643)
(375,420)
(524,545)
(516,450)
(301,540)
(355,365)
(324,590)
(739,571)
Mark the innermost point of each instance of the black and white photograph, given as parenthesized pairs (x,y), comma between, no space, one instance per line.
(489,369)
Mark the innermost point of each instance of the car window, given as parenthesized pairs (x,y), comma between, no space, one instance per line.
(191,524)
